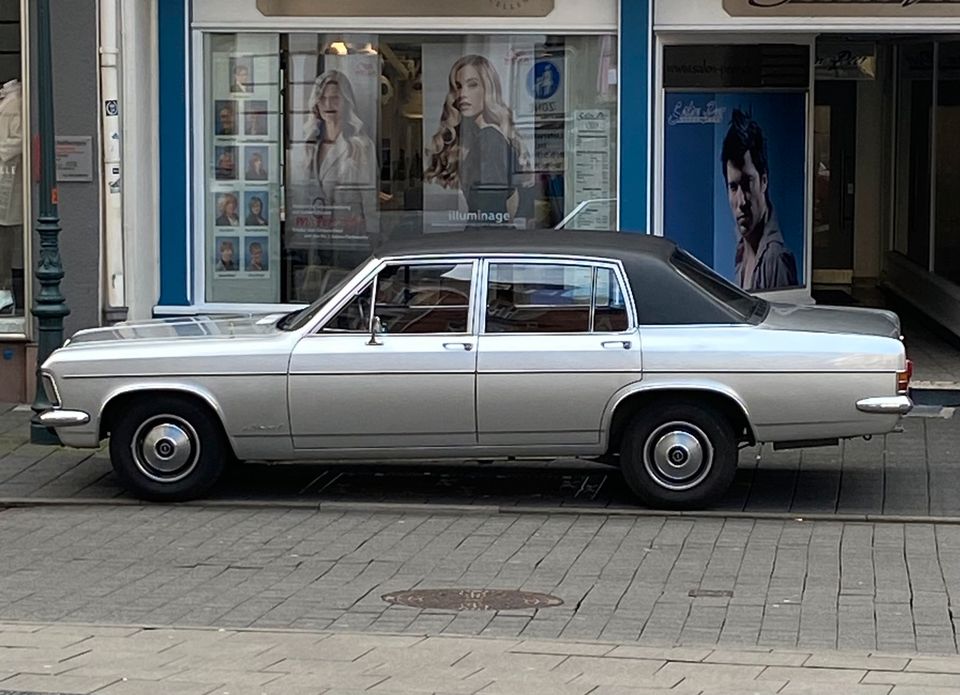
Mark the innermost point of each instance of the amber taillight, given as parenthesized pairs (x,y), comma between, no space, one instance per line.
(903,378)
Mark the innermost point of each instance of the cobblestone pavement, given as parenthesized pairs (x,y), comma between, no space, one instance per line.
(132,661)
(649,580)
(913,473)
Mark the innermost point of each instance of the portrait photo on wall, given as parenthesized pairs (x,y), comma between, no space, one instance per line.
(225,157)
(333,169)
(255,117)
(225,117)
(227,252)
(257,254)
(241,75)
(478,163)
(255,158)
(227,209)
(255,209)
(734,182)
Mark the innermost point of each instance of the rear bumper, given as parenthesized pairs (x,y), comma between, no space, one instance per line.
(886,405)
(63,418)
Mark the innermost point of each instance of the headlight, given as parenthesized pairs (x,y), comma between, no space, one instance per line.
(50,389)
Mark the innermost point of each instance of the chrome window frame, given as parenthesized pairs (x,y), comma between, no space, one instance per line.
(314,328)
(595,263)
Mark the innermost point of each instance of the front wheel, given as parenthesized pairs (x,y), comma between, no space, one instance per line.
(167,449)
(679,455)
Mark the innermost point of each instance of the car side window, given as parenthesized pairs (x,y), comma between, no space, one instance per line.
(419,298)
(610,307)
(548,298)
(538,298)
(354,317)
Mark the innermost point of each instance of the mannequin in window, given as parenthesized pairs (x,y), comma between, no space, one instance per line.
(11,189)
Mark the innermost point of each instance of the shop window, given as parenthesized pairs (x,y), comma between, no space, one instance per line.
(734,153)
(947,205)
(318,147)
(12,286)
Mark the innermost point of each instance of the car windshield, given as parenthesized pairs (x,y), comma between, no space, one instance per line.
(745,305)
(299,318)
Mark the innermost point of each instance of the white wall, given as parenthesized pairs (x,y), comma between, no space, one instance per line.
(141,162)
(567,16)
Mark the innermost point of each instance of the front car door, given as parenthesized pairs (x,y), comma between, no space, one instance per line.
(411,385)
(558,339)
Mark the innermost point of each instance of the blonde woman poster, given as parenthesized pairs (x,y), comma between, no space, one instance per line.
(334,169)
(479,156)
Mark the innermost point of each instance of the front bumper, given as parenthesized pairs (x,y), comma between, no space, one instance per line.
(886,405)
(63,418)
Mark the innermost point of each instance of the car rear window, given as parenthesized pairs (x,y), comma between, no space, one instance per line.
(746,306)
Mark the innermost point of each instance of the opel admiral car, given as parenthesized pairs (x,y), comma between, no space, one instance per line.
(483,345)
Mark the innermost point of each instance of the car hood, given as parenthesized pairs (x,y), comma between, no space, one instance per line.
(831,319)
(189,327)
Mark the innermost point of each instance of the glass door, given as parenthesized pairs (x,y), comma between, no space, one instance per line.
(834,172)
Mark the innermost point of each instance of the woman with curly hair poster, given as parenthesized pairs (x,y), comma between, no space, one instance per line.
(478,160)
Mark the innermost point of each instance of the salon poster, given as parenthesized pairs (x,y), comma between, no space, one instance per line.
(734,182)
(479,158)
(242,204)
(333,176)
(592,153)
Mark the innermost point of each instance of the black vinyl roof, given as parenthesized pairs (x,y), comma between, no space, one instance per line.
(662,295)
(619,245)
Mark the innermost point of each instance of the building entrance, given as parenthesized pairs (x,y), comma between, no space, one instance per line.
(834,181)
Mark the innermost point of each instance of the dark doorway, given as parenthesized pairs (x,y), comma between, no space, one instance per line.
(834,176)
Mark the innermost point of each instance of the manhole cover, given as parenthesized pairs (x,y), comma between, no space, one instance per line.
(472,599)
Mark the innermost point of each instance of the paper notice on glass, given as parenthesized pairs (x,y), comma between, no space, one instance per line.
(591,168)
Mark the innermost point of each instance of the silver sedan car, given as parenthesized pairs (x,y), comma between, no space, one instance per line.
(484,345)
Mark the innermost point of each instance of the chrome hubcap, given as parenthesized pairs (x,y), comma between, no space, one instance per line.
(166,448)
(678,455)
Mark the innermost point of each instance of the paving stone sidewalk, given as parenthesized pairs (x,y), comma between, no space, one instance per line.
(915,473)
(134,661)
(653,581)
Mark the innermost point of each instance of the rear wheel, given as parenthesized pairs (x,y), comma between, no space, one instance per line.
(167,449)
(679,455)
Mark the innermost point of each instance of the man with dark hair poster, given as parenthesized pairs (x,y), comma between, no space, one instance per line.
(741,154)
(763,261)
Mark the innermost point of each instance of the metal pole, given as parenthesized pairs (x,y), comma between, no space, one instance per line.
(50,306)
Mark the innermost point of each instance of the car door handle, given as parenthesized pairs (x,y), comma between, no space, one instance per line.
(458,346)
(614,344)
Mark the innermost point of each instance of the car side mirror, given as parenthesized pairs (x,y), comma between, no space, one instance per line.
(376,328)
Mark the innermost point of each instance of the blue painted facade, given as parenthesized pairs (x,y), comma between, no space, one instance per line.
(176,237)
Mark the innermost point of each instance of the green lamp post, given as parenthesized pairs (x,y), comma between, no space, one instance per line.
(49,306)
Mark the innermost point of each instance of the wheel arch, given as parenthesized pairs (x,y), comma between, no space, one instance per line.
(114,403)
(627,402)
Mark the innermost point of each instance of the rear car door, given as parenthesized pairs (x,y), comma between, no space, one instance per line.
(558,338)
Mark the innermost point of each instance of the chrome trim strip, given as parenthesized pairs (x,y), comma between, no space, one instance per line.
(426,372)
(886,405)
(63,418)
(766,371)
(196,375)
(47,378)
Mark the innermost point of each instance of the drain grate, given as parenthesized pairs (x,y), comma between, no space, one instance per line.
(472,599)
(710,593)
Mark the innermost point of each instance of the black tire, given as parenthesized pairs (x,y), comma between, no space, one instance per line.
(679,455)
(166,448)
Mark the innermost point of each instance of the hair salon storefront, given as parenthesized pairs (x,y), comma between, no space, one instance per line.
(311,136)
(810,144)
